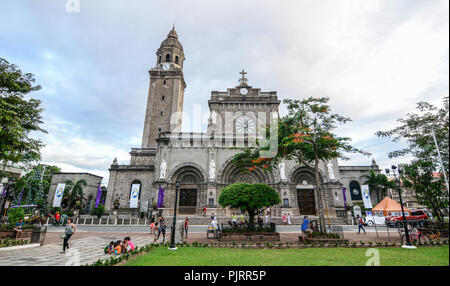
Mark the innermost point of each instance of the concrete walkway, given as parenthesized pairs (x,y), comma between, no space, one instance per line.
(85,249)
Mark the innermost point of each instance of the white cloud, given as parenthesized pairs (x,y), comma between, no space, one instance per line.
(374,59)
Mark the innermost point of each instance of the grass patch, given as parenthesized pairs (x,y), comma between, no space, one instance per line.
(187,256)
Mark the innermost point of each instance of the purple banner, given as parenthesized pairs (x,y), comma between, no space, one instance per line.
(160,203)
(20,198)
(345,197)
(4,192)
(99,195)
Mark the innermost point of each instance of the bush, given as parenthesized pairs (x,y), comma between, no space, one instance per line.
(100,210)
(15,214)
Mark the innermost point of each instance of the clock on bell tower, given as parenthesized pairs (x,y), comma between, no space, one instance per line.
(166,91)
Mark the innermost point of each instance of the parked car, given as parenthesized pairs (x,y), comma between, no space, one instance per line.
(419,217)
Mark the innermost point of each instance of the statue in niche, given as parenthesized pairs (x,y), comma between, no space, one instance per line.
(163,169)
(330,171)
(282,167)
(212,170)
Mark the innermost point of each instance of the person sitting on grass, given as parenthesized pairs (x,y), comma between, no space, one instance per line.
(109,248)
(19,227)
(117,248)
(129,245)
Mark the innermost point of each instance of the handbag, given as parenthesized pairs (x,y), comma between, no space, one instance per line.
(62,235)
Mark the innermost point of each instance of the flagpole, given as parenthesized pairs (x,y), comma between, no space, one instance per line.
(440,160)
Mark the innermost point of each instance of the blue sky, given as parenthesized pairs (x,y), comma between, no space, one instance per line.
(374,59)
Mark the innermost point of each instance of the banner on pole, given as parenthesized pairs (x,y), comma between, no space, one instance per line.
(134,195)
(344,189)
(58,195)
(160,202)
(366,196)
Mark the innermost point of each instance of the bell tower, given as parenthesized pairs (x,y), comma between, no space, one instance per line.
(165,92)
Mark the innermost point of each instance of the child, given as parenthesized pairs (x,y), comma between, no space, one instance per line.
(117,248)
(128,243)
(109,248)
(156,229)
(152,227)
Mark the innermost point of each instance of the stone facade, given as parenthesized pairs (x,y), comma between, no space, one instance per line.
(89,192)
(202,161)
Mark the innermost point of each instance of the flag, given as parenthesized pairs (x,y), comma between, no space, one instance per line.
(4,192)
(99,195)
(344,189)
(160,198)
(20,198)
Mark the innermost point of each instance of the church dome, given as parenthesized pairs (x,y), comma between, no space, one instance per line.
(172,40)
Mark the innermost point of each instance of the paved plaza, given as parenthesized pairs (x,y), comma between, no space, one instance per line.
(86,246)
(85,250)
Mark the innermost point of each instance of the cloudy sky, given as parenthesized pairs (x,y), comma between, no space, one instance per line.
(374,59)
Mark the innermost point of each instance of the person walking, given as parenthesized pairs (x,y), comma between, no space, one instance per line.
(360,224)
(289,219)
(69,230)
(162,229)
(204,210)
(284,219)
(186,226)
(305,227)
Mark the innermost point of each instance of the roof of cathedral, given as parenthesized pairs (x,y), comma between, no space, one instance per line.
(172,40)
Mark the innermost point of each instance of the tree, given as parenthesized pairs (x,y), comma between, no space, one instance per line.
(416,129)
(73,193)
(378,183)
(306,136)
(429,191)
(19,117)
(36,189)
(251,198)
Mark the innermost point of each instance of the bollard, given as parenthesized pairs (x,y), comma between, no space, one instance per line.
(38,234)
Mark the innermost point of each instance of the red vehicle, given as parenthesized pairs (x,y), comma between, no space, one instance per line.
(419,217)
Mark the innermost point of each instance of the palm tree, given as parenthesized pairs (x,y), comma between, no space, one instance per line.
(73,193)
(374,181)
(378,183)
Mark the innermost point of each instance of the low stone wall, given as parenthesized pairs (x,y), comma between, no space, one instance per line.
(257,237)
(12,234)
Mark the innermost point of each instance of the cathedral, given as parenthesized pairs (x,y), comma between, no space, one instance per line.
(201,162)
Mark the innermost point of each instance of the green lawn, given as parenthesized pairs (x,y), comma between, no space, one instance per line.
(199,256)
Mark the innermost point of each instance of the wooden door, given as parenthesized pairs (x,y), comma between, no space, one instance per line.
(306,202)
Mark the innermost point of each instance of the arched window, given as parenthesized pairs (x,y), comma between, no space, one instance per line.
(176,59)
(167,58)
(285,202)
(159,60)
(355,191)
(136,182)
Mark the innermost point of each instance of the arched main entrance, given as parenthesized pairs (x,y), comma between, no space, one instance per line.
(303,184)
(191,179)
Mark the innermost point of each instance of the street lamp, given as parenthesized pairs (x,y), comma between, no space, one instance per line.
(405,223)
(174,224)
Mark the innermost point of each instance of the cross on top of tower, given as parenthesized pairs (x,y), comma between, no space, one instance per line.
(243,81)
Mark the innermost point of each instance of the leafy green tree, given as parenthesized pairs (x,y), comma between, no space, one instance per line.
(416,129)
(429,191)
(19,117)
(251,198)
(306,136)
